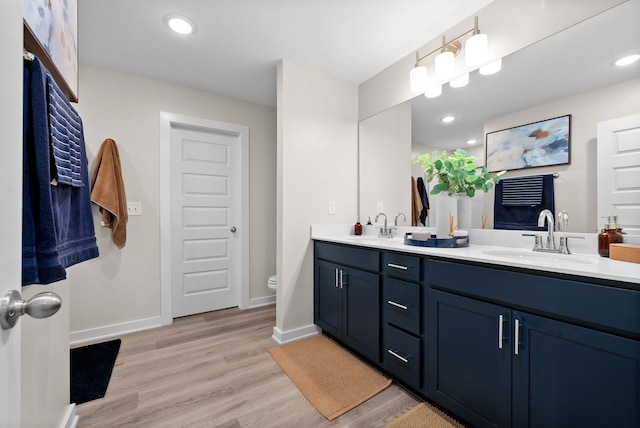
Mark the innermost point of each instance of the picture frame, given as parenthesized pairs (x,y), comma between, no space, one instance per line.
(51,34)
(543,143)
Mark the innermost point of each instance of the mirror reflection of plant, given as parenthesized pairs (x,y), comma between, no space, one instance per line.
(456,173)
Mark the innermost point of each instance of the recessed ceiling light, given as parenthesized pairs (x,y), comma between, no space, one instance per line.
(629,59)
(448,119)
(471,142)
(180,24)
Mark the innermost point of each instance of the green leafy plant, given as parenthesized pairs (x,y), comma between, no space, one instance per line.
(456,173)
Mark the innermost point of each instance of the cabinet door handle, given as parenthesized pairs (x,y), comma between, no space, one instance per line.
(400,357)
(336,283)
(397,305)
(342,279)
(500,331)
(395,266)
(516,338)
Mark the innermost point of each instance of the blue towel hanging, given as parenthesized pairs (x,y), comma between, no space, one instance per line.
(518,202)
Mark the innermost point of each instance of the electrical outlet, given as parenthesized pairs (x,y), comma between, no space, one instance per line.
(332,207)
(380,207)
(134,208)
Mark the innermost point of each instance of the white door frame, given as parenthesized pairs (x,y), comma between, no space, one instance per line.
(167,121)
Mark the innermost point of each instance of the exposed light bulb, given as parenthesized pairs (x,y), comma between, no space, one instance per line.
(433,92)
(418,79)
(627,60)
(491,68)
(445,65)
(471,142)
(461,81)
(476,48)
(448,119)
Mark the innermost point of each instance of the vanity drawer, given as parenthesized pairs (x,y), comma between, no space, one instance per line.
(402,357)
(348,255)
(401,266)
(401,302)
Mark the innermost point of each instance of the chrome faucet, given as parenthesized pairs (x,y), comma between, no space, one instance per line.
(399,215)
(548,216)
(550,247)
(384,232)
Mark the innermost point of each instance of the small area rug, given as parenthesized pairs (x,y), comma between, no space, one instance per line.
(425,416)
(91,368)
(333,380)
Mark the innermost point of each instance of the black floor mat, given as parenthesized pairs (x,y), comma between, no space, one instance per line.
(91,368)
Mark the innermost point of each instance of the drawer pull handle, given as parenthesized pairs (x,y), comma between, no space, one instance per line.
(516,340)
(500,330)
(395,266)
(397,305)
(400,357)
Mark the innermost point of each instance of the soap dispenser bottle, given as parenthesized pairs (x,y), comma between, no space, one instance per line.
(357,229)
(611,234)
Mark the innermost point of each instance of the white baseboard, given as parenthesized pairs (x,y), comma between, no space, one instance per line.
(113,330)
(262,301)
(282,337)
(70,417)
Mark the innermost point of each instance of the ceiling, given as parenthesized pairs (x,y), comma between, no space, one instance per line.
(574,61)
(238,43)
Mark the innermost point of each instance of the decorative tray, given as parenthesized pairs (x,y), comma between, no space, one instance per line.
(454,242)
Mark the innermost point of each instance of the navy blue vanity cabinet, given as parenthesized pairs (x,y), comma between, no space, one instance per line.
(566,375)
(516,349)
(402,315)
(347,296)
(468,362)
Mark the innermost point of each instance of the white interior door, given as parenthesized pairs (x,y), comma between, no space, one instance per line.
(205,169)
(11,197)
(618,157)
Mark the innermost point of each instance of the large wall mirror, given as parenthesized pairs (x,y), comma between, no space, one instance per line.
(570,72)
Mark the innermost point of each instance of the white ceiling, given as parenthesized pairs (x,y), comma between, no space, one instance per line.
(238,43)
(576,60)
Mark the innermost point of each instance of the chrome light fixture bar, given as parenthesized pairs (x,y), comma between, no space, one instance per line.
(476,49)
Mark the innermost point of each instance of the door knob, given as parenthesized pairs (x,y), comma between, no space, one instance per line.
(233,229)
(12,307)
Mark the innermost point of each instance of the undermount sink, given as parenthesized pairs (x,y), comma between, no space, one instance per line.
(531,256)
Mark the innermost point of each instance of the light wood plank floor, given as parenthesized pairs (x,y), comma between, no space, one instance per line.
(213,370)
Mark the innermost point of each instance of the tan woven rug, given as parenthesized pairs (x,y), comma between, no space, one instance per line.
(425,416)
(331,379)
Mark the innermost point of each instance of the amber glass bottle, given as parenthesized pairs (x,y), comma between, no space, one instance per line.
(611,234)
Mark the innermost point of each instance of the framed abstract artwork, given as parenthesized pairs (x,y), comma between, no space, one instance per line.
(532,145)
(51,33)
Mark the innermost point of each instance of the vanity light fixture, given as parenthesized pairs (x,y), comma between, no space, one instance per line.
(627,60)
(433,92)
(491,68)
(461,81)
(448,119)
(476,48)
(180,24)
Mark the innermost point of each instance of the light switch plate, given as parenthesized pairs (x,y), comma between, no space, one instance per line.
(380,207)
(332,207)
(134,208)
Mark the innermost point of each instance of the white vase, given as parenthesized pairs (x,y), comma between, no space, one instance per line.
(446,208)
(470,211)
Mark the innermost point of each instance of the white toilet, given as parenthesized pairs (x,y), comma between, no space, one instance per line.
(272,283)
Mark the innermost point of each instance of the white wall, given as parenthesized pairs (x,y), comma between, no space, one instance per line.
(384,141)
(575,188)
(508,23)
(317,162)
(122,287)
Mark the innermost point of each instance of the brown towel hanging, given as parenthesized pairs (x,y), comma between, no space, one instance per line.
(107,191)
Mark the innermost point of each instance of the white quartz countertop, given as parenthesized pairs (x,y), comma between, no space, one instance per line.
(579,264)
